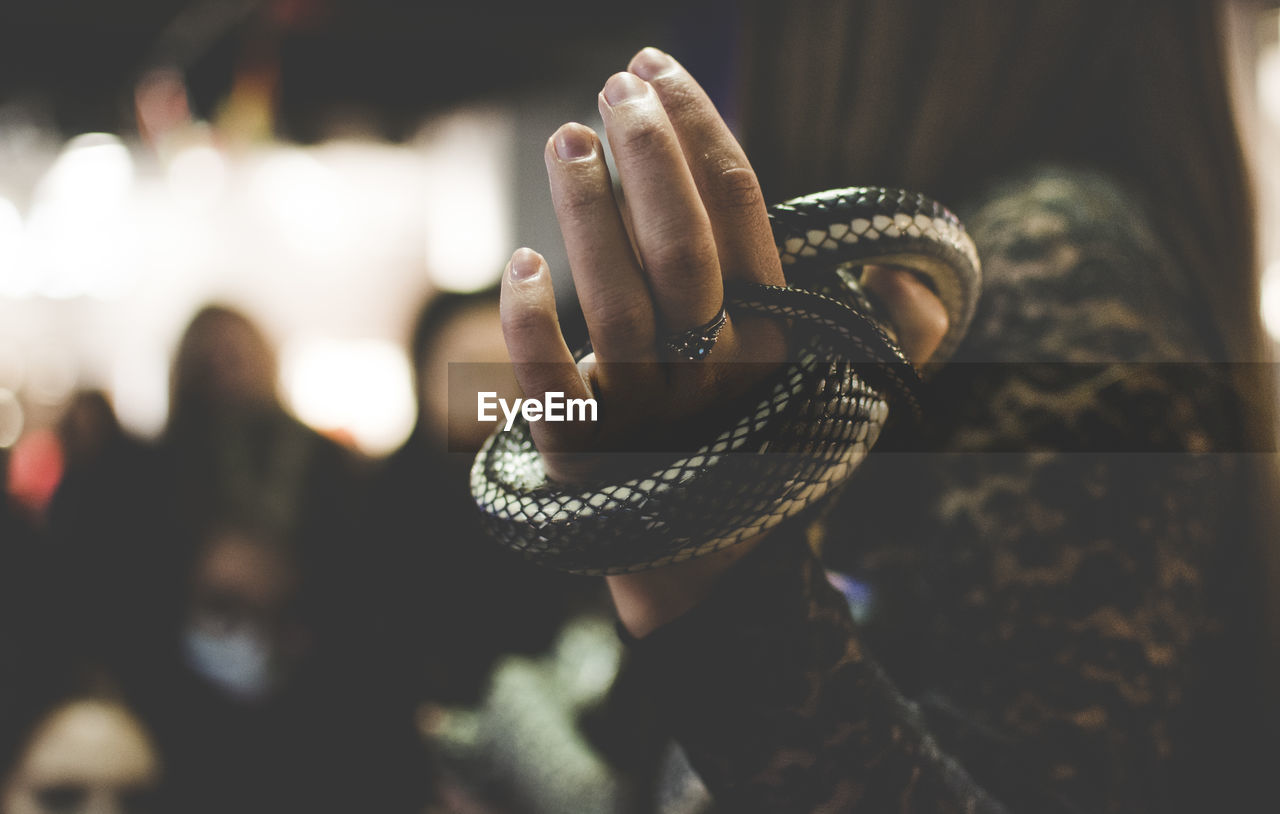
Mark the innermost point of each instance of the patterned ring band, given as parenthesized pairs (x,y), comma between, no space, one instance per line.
(695,344)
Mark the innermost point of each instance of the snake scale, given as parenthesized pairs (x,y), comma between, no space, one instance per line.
(808,426)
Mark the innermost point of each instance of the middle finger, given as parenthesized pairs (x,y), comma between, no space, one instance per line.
(670,225)
(728,186)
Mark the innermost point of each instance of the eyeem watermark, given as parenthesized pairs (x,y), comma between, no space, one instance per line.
(553,407)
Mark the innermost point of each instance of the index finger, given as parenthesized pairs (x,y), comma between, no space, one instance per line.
(724,178)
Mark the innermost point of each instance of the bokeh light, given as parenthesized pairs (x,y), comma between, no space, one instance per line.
(468,221)
(79,235)
(361,389)
(11,418)
(197,176)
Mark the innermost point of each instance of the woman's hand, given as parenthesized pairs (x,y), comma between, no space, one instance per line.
(695,218)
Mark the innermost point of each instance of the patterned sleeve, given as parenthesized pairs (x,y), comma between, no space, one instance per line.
(1044,570)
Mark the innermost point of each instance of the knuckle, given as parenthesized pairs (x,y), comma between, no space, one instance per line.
(581,192)
(524,323)
(734,188)
(574,199)
(680,258)
(623,317)
(643,134)
(678,98)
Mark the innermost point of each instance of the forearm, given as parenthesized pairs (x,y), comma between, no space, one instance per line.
(647,600)
(767,688)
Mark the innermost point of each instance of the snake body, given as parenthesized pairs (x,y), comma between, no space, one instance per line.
(807,428)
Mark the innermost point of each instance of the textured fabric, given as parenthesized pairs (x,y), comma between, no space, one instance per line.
(1048,569)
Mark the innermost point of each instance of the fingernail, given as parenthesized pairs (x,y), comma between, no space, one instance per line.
(624,87)
(651,63)
(573,144)
(525,264)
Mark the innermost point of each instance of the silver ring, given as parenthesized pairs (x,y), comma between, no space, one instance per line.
(695,344)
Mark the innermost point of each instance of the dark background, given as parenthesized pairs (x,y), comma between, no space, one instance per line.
(386,61)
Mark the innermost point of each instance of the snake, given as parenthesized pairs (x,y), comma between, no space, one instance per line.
(795,439)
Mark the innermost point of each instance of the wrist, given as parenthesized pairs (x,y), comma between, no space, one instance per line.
(647,600)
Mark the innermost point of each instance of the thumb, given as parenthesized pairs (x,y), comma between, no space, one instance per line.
(916,313)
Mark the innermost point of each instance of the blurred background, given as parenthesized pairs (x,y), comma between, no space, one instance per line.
(238,238)
(322,165)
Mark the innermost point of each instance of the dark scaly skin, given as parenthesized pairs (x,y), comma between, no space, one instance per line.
(1042,621)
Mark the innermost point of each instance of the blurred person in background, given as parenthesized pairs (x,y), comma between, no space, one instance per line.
(127,520)
(229,441)
(96,515)
(72,738)
(218,577)
(243,629)
(90,432)
(31,614)
(268,699)
(16,534)
(231,453)
(75,747)
(276,700)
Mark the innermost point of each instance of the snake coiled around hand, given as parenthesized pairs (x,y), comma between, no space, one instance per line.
(800,436)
